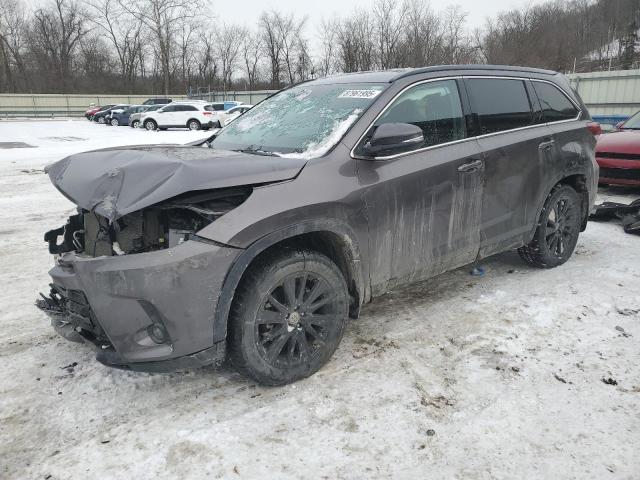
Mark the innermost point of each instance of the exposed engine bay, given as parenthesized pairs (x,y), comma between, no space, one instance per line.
(159,226)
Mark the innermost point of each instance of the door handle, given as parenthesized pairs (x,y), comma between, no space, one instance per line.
(547,143)
(470,167)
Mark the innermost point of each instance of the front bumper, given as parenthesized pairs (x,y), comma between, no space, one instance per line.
(117,303)
(619,172)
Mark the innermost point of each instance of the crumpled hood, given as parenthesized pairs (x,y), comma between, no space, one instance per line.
(116,181)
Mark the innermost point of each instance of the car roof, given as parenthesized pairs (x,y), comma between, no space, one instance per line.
(390,76)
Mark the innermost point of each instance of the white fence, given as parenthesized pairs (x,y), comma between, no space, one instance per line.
(609,93)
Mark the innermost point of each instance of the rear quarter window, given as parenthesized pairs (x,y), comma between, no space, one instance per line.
(555,104)
(500,104)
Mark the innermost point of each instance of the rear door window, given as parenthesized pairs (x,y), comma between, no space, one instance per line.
(555,104)
(500,104)
(434,107)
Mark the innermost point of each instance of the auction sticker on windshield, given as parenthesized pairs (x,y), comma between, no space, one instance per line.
(359,94)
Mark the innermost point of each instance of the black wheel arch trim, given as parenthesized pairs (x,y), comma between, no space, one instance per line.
(244,260)
(555,181)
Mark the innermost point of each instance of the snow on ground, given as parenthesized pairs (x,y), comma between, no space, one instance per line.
(457,377)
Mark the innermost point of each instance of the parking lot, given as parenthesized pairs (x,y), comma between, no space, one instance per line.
(521,373)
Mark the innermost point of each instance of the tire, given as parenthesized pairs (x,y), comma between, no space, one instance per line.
(115,122)
(101,120)
(150,125)
(558,228)
(193,124)
(134,124)
(287,317)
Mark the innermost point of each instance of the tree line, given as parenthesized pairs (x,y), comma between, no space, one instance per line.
(178,46)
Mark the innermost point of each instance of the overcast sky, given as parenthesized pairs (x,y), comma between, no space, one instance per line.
(247,11)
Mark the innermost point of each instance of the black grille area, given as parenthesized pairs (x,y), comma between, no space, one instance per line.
(620,173)
(618,156)
(76,309)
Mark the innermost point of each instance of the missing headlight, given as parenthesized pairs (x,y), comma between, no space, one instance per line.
(164,225)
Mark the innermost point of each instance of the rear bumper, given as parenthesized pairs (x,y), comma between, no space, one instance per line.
(117,303)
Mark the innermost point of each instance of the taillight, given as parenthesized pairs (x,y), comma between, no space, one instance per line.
(207,113)
(594,128)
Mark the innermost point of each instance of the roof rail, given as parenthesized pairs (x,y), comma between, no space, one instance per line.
(438,68)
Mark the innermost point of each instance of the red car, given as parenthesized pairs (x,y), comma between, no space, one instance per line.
(93,110)
(618,154)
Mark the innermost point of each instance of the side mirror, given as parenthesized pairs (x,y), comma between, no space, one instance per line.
(393,138)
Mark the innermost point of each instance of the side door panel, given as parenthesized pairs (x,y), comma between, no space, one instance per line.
(572,144)
(168,116)
(423,213)
(515,159)
(515,163)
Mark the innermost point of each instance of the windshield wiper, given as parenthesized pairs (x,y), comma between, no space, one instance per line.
(256,151)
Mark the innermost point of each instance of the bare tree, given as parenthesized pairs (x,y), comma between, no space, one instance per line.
(294,47)
(13,25)
(390,21)
(423,38)
(273,44)
(125,34)
(355,41)
(188,44)
(251,54)
(55,33)
(328,33)
(457,45)
(227,48)
(164,18)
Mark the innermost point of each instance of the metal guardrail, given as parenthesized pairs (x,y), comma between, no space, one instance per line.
(52,105)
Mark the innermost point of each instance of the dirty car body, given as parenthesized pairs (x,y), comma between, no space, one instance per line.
(413,175)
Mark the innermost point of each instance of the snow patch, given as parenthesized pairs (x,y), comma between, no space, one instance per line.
(317,149)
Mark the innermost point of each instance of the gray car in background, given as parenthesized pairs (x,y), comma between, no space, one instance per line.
(259,243)
(134,118)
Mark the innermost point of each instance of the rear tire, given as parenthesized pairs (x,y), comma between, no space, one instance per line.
(193,125)
(150,125)
(288,316)
(558,228)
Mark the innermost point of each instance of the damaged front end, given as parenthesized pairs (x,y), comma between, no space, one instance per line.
(138,310)
(132,275)
(164,225)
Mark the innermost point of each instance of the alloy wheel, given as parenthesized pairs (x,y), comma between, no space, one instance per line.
(561,226)
(295,319)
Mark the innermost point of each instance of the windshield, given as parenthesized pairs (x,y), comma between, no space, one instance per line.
(304,121)
(633,123)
